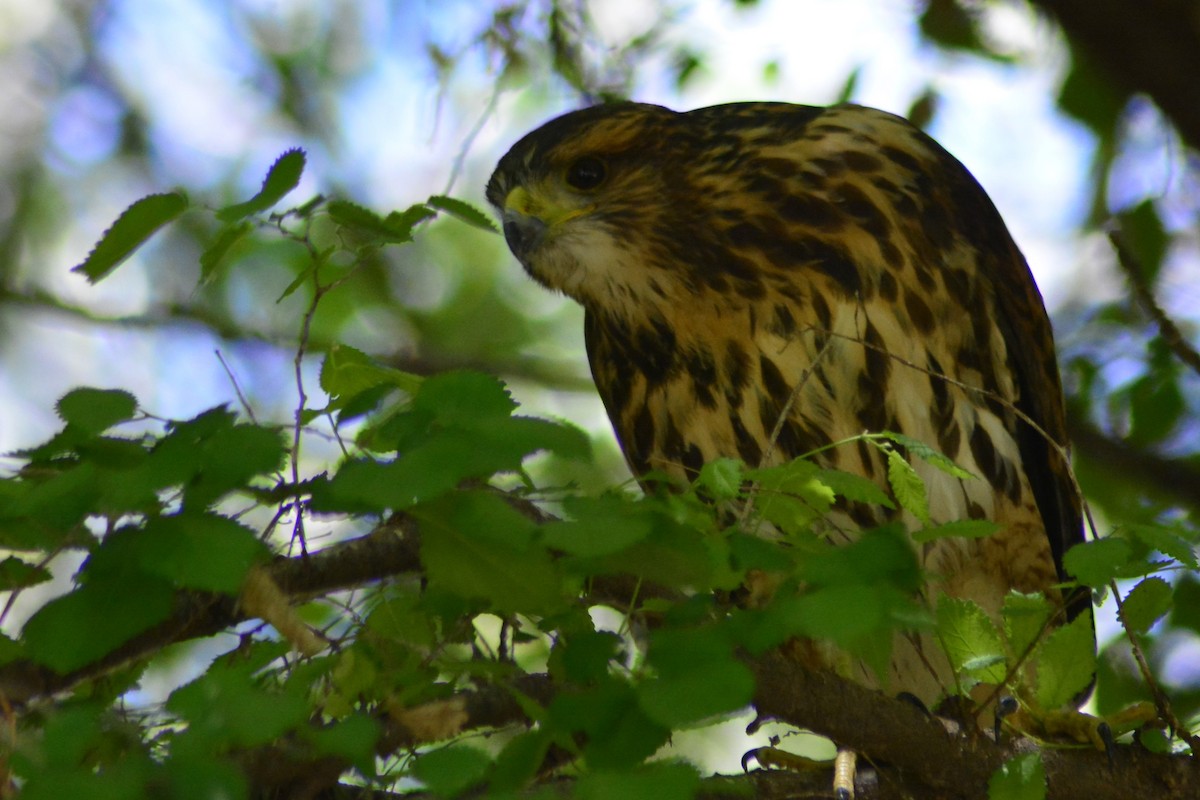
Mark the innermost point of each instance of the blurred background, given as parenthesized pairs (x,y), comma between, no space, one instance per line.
(102,103)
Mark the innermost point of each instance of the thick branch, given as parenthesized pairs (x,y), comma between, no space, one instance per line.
(1174,480)
(1149,47)
(935,765)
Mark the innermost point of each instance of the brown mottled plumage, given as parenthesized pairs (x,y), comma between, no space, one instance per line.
(731,257)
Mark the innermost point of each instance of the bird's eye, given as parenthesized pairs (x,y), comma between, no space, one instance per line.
(586,173)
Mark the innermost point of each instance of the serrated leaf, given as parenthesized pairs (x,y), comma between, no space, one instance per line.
(1022,777)
(95,410)
(1066,663)
(1025,617)
(194,551)
(395,229)
(476,546)
(961,528)
(1164,541)
(463,211)
(347,372)
(131,230)
(1095,563)
(972,642)
(927,454)
(218,249)
(1146,604)
(281,178)
(908,487)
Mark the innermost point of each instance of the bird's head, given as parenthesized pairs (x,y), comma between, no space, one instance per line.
(576,194)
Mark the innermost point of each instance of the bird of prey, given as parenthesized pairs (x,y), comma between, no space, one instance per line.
(761,280)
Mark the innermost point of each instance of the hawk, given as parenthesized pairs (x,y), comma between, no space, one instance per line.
(761,280)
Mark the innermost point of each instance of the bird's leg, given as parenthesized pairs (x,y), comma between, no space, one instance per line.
(844,764)
(1075,726)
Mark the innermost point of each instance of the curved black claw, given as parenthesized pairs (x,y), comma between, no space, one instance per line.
(1005,706)
(1104,731)
(913,700)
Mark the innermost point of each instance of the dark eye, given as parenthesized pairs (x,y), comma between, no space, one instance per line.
(586,173)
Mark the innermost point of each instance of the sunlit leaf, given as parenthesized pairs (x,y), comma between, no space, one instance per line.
(972,642)
(1066,663)
(908,487)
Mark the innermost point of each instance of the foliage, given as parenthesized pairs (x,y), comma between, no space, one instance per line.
(533,624)
(183,512)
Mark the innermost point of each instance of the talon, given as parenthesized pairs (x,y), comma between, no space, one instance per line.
(1104,731)
(913,700)
(756,723)
(1005,706)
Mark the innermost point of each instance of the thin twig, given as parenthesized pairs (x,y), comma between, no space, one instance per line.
(1167,329)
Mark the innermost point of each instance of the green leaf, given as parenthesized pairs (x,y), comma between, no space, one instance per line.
(476,546)
(1097,562)
(599,526)
(226,707)
(202,777)
(449,771)
(95,410)
(961,528)
(791,496)
(347,372)
(1185,611)
(658,781)
(194,551)
(1149,601)
(281,178)
(916,447)
(218,249)
(721,479)
(620,735)
(352,739)
(18,574)
(972,642)
(882,556)
(463,211)
(396,229)
(519,761)
(696,677)
(908,487)
(1066,663)
(855,488)
(1022,777)
(83,625)
(131,230)
(1164,541)
(1025,617)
